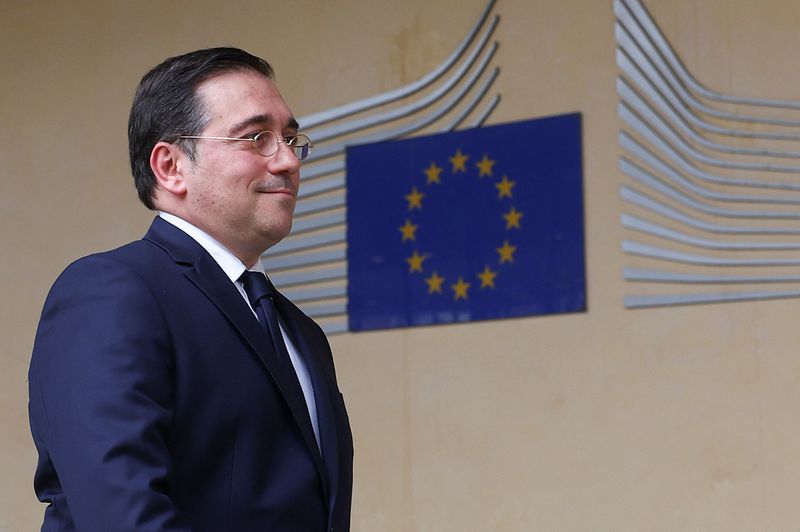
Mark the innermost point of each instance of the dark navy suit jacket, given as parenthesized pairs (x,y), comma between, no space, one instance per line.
(158,403)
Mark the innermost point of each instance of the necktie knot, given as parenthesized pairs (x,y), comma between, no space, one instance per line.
(257,286)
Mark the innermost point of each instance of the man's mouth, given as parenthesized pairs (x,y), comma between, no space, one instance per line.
(276,190)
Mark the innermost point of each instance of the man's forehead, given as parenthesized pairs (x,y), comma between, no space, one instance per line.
(244,97)
(263,120)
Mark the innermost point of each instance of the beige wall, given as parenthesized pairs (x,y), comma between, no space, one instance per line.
(671,419)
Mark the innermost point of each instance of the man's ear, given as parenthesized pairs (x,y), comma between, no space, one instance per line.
(167,162)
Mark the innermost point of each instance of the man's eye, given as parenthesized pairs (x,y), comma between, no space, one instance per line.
(289,139)
(253,135)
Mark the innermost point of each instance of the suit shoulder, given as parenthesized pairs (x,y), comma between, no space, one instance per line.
(138,264)
(137,256)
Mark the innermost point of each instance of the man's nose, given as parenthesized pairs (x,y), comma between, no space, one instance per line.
(285,159)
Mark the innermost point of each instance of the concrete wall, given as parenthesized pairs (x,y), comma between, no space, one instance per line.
(669,419)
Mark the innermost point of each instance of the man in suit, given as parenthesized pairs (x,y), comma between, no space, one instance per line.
(166,392)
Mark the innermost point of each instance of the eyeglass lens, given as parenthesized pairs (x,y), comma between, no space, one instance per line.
(267,144)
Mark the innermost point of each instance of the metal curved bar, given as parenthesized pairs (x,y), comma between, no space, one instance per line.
(306,242)
(414,106)
(673,130)
(635,223)
(318,205)
(646,202)
(644,177)
(321,221)
(473,102)
(630,36)
(319,169)
(628,113)
(321,186)
(332,273)
(654,162)
(297,260)
(323,117)
(697,299)
(655,252)
(644,19)
(335,327)
(481,93)
(299,295)
(490,107)
(334,149)
(657,276)
(667,114)
(640,69)
(657,142)
(325,309)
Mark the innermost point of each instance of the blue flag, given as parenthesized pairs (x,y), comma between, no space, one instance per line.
(479,224)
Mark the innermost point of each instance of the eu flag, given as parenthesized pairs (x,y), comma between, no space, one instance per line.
(479,224)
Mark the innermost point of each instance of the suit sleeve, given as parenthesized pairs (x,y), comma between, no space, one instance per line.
(101,401)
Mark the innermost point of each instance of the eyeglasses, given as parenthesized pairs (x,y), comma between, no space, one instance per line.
(266,143)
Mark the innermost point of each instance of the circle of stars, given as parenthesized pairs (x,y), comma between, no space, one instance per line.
(512,218)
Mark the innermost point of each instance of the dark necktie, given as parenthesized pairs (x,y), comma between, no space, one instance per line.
(260,292)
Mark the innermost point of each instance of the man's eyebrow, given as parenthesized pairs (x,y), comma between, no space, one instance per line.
(262,120)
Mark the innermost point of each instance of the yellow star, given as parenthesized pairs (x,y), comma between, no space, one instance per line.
(460,289)
(459,161)
(434,283)
(415,199)
(433,172)
(506,252)
(512,218)
(487,278)
(504,187)
(485,166)
(408,230)
(415,262)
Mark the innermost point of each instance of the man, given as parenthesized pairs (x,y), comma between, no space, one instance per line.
(165,393)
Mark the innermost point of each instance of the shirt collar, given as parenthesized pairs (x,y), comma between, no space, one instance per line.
(230,264)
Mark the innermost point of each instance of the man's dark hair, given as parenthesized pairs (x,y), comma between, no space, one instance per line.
(166,106)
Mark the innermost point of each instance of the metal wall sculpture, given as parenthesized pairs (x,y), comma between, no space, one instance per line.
(310,265)
(712,195)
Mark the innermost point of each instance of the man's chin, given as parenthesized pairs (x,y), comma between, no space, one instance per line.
(272,234)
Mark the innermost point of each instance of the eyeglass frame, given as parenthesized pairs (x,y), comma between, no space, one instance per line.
(278,141)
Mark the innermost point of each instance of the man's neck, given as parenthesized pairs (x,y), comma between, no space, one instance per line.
(248,258)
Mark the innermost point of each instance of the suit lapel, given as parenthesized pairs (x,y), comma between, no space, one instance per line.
(305,340)
(204,272)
